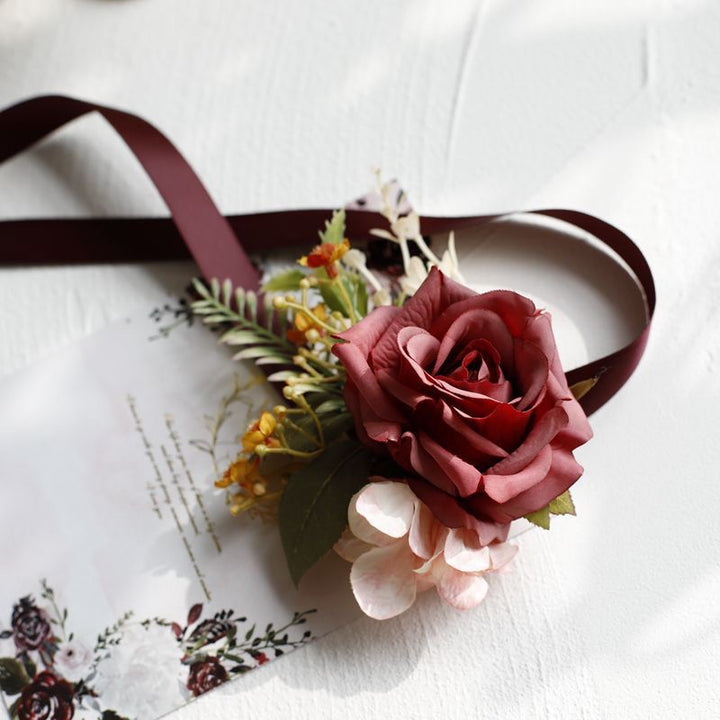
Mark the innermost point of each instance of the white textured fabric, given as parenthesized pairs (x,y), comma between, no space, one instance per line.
(610,107)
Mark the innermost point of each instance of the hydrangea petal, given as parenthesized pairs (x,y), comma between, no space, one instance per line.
(383,580)
(386,506)
(349,547)
(465,552)
(461,590)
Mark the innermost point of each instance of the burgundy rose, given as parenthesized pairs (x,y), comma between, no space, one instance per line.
(31,626)
(205,675)
(467,394)
(46,698)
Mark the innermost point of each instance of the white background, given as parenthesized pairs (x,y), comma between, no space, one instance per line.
(606,106)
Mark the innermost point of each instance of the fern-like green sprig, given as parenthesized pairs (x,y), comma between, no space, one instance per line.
(222,306)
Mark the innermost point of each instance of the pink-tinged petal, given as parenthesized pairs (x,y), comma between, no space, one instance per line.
(501,554)
(465,477)
(503,425)
(503,487)
(449,512)
(426,533)
(531,367)
(403,393)
(411,455)
(475,323)
(383,580)
(563,472)
(461,590)
(361,375)
(513,309)
(365,335)
(465,552)
(386,506)
(435,294)
(546,428)
(454,432)
(350,548)
(418,345)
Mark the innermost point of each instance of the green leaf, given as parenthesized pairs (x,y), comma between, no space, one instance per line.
(313,508)
(111,715)
(334,231)
(240,301)
(274,359)
(284,281)
(251,304)
(562,505)
(282,376)
(241,337)
(541,517)
(332,298)
(358,293)
(200,289)
(337,425)
(227,289)
(13,676)
(582,388)
(330,406)
(257,351)
(30,666)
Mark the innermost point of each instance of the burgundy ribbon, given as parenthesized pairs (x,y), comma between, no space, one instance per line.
(197,227)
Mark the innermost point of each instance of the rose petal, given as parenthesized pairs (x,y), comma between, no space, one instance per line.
(475,322)
(365,337)
(433,297)
(449,512)
(542,434)
(503,487)
(465,552)
(411,455)
(383,580)
(464,476)
(564,471)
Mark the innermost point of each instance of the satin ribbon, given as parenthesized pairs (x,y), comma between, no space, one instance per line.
(197,228)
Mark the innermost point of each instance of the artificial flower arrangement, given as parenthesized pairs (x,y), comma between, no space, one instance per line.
(420,417)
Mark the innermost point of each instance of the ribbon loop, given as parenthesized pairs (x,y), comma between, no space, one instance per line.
(211,238)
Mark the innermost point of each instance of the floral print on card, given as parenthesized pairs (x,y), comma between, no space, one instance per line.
(134,669)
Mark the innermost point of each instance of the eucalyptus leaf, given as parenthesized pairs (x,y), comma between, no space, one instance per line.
(251,304)
(241,337)
(240,301)
(255,352)
(226,292)
(282,376)
(274,360)
(200,288)
(313,509)
(213,319)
